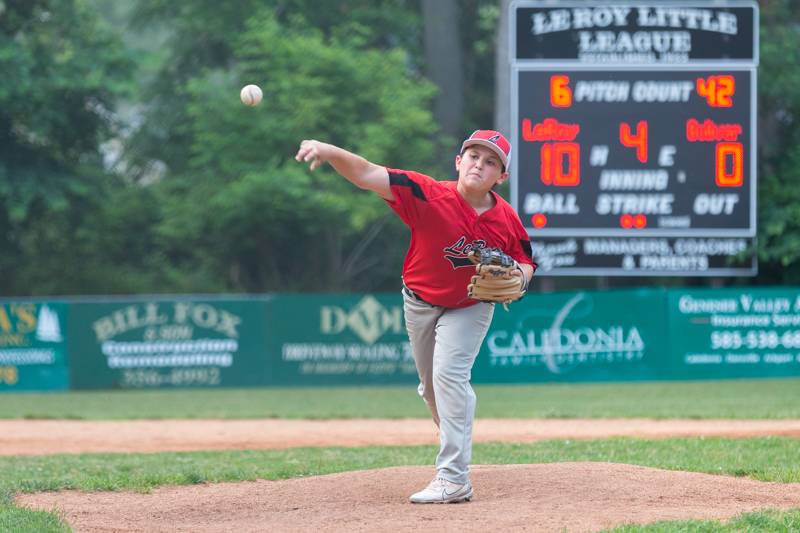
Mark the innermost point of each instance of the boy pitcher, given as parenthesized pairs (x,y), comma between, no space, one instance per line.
(446,328)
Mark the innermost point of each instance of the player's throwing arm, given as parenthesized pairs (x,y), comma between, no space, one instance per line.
(353,167)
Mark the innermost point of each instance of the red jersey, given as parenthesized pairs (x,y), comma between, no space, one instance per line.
(444,229)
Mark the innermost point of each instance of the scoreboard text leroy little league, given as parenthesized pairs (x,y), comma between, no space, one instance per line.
(635,136)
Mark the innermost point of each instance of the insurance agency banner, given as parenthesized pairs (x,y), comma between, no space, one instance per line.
(741,332)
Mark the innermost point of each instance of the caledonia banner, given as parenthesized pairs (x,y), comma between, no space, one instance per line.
(577,337)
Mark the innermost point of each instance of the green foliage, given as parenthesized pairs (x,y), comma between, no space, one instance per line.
(62,69)
(234,212)
(479,24)
(203,33)
(244,206)
(779,143)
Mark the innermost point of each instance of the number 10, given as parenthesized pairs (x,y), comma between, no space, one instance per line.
(561,164)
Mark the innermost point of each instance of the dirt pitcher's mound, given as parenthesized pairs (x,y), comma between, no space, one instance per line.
(541,497)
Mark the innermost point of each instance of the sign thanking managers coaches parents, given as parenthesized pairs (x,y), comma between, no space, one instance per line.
(180,342)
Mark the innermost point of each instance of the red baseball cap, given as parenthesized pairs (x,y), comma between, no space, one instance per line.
(494,140)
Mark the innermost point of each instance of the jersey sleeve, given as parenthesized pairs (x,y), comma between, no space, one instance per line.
(520,246)
(411,192)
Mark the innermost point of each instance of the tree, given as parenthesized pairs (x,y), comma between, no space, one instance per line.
(245,209)
(779,144)
(201,34)
(502,85)
(62,69)
(460,42)
(444,63)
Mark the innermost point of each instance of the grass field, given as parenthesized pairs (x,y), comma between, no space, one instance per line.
(767,459)
(773,398)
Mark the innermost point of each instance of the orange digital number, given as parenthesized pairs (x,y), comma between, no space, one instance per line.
(561,164)
(717,90)
(637,140)
(732,152)
(560,92)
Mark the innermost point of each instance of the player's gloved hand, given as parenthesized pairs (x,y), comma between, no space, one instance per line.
(498,278)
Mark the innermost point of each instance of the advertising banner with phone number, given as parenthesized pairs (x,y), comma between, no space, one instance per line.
(168,342)
(33,353)
(745,332)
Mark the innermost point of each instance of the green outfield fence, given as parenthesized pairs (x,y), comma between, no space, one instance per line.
(330,339)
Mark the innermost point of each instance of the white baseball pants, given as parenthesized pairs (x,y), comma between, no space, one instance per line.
(445,343)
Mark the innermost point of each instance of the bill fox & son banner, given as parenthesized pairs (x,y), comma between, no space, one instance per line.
(168,343)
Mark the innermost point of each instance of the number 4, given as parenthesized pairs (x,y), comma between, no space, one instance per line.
(637,140)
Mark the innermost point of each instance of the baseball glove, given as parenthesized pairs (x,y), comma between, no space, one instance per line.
(493,280)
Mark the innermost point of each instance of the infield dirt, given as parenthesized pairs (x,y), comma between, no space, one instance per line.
(39,437)
(578,496)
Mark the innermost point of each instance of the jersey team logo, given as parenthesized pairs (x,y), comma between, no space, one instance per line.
(457,252)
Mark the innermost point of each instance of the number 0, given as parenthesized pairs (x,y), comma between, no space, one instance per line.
(732,152)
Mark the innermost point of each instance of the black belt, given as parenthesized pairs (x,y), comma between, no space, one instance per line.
(414,295)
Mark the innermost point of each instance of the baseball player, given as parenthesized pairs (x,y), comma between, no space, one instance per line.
(446,328)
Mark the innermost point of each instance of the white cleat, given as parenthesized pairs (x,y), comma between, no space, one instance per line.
(442,491)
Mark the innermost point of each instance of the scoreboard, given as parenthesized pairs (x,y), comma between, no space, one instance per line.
(635,136)
(606,152)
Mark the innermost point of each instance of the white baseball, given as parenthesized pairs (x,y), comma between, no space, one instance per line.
(251,95)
